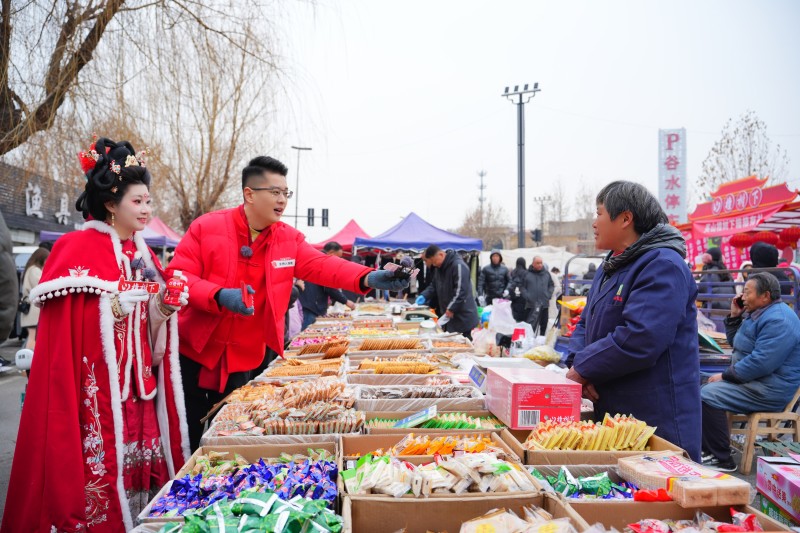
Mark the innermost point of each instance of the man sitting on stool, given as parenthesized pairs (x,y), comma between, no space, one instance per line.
(765,365)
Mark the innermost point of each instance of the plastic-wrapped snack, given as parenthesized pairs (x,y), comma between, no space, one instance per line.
(614,433)
(457,475)
(501,520)
(424,445)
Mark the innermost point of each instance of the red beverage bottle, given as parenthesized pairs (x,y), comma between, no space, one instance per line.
(175,287)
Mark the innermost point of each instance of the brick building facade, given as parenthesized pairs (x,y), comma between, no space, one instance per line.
(31,203)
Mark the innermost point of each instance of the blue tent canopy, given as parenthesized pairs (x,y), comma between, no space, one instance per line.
(413,234)
(151,237)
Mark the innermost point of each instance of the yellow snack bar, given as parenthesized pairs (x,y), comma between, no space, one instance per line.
(620,432)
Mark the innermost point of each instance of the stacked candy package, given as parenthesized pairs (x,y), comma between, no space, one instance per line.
(443,421)
(598,486)
(614,433)
(310,479)
(256,511)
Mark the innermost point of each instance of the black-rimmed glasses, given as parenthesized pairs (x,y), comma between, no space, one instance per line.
(275,191)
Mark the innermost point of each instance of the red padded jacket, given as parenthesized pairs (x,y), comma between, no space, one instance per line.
(210,256)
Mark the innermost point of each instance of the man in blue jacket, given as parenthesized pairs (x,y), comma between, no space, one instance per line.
(635,349)
(450,292)
(765,366)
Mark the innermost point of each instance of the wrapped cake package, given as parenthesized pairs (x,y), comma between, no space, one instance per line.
(689,484)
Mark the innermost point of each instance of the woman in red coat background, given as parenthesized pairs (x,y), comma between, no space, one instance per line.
(222,339)
(103,425)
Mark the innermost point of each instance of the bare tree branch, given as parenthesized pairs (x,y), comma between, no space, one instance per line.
(744,149)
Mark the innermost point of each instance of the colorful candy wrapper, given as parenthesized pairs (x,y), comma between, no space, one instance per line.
(599,485)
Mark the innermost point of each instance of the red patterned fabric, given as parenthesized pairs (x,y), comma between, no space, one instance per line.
(86,458)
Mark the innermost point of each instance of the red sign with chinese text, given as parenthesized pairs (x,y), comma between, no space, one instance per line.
(744,196)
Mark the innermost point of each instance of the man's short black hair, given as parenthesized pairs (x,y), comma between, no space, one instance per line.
(258,165)
(332,246)
(620,196)
(766,283)
(431,250)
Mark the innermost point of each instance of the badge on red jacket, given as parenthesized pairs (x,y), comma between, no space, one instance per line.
(286,262)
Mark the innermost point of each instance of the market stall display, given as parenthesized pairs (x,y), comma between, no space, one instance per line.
(397,366)
(315,480)
(390,344)
(614,433)
(257,511)
(442,421)
(461,469)
(468,473)
(296,368)
(297,408)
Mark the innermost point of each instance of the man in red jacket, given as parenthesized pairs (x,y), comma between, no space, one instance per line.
(222,337)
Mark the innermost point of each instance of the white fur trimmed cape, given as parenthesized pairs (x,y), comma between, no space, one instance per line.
(67,473)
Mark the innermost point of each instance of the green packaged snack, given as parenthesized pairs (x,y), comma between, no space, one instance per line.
(535,473)
(221,507)
(251,524)
(329,521)
(228,524)
(285,522)
(314,507)
(565,483)
(598,485)
(251,502)
(194,524)
(171,527)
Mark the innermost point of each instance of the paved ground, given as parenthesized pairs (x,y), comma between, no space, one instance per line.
(12,383)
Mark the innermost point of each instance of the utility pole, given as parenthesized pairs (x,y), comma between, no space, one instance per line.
(297,185)
(519,98)
(482,198)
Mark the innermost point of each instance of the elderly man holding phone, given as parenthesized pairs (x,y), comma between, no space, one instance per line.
(765,365)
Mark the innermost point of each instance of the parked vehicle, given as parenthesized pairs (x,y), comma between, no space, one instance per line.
(21,255)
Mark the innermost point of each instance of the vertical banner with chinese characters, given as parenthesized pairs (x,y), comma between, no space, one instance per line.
(672,184)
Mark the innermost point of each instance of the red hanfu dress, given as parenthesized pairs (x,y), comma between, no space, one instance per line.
(103,426)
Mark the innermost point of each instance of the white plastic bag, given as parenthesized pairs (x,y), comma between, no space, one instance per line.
(502,320)
(704,323)
(484,341)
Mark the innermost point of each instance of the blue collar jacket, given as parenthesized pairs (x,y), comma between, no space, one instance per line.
(637,343)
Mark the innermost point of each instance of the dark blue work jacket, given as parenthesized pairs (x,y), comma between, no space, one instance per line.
(637,343)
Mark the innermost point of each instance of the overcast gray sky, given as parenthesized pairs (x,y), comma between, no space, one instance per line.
(401,101)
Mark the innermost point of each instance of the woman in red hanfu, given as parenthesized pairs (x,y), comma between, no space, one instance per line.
(103,426)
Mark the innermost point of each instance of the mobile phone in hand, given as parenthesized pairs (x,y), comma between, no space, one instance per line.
(739,302)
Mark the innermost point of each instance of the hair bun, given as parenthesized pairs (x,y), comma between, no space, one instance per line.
(111,157)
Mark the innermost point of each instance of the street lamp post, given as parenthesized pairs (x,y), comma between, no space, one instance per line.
(519,98)
(297,184)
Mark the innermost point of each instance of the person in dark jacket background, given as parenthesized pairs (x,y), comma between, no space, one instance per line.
(591,272)
(765,255)
(635,349)
(271,354)
(537,289)
(713,282)
(514,290)
(450,291)
(9,284)
(493,279)
(314,298)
